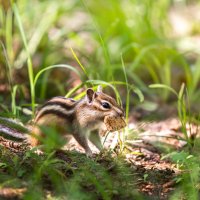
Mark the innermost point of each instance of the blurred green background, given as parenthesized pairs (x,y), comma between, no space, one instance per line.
(158,41)
(50,48)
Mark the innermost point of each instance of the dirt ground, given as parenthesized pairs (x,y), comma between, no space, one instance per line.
(143,152)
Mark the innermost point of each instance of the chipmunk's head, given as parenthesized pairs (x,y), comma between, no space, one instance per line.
(105,108)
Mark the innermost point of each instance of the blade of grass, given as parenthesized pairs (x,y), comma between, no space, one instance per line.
(78,61)
(13,99)
(182,112)
(73,90)
(127,89)
(2,19)
(7,65)
(29,62)
(13,89)
(8,36)
(162,86)
(133,88)
(52,67)
(124,132)
(44,81)
(181,91)
(196,76)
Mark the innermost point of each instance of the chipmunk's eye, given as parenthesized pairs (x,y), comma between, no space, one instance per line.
(106,105)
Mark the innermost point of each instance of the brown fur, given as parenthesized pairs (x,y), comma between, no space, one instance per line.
(84,119)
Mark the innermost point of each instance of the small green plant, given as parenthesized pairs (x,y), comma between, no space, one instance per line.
(188,180)
(181,108)
(186,160)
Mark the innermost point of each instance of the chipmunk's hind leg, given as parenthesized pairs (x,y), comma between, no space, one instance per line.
(33,138)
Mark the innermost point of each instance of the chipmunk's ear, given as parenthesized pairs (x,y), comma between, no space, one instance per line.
(90,94)
(99,88)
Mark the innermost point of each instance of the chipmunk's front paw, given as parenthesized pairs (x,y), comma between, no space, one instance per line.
(91,155)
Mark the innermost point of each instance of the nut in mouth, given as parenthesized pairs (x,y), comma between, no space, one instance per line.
(114,123)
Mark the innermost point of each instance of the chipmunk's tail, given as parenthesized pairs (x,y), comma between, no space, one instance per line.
(16,147)
(13,135)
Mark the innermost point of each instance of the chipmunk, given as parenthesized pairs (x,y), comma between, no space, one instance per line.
(84,119)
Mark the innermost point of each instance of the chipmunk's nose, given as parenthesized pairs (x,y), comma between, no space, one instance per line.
(121,113)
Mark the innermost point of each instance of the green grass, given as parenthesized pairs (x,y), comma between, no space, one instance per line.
(65,176)
(148,54)
(122,45)
(181,108)
(29,61)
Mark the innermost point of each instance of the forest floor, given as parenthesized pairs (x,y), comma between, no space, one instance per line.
(155,175)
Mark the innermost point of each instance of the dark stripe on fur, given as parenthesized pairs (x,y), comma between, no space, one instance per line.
(61,104)
(58,113)
(8,132)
